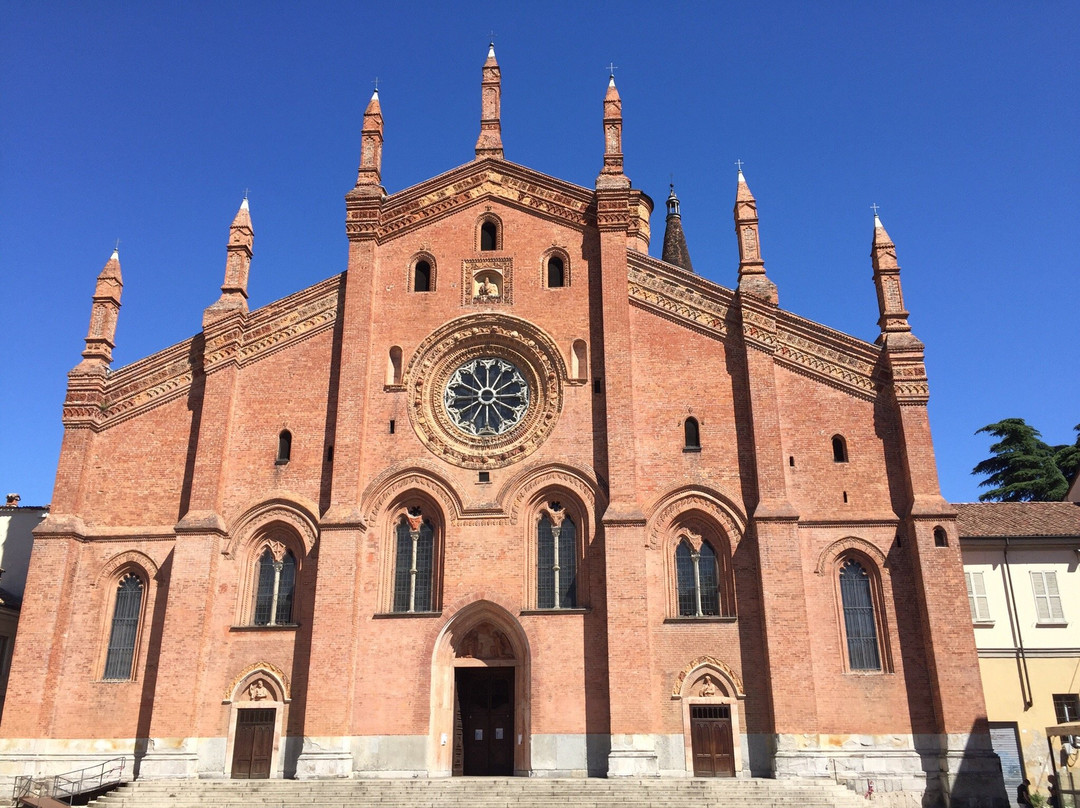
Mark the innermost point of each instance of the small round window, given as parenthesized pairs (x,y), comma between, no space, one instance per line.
(486,396)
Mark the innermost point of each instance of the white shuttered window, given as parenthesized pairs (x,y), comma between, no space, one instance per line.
(1047,597)
(977,600)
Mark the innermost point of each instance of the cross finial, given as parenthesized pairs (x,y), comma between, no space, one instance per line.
(117,247)
(245,193)
(491,38)
(611,69)
(739,164)
(376,83)
(874,207)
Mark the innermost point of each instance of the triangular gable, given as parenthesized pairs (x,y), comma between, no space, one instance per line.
(499,180)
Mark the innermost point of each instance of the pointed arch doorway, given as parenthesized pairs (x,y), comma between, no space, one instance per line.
(480,695)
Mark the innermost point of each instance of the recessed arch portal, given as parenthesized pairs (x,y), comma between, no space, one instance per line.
(482,639)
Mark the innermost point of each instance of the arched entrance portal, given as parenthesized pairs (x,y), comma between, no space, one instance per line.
(480,695)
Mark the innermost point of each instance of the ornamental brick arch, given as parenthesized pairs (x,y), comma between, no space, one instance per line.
(523,488)
(711,504)
(851,544)
(285,511)
(421,477)
(692,675)
(129,558)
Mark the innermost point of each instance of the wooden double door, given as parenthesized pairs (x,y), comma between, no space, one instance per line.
(711,740)
(484,721)
(253,744)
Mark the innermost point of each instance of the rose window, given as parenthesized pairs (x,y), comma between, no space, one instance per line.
(486,396)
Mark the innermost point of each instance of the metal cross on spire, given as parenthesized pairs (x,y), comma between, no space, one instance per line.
(739,164)
(612,67)
(117,247)
(874,207)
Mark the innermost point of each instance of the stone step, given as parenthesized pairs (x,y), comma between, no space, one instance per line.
(461,792)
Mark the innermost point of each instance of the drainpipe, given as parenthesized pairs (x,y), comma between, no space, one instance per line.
(1021,655)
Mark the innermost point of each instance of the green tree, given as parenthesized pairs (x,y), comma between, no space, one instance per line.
(1023,467)
(1067,457)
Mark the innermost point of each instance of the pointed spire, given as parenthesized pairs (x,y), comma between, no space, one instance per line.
(613,154)
(489,144)
(893,315)
(371,143)
(101,336)
(675,251)
(238,254)
(752,277)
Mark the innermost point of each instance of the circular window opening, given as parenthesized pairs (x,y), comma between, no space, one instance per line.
(486,396)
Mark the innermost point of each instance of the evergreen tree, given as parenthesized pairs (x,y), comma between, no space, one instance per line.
(1023,467)
(1067,457)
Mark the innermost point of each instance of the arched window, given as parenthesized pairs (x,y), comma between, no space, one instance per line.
(284,446)
(941,538)
(414,563)
(860,622)
(489,236)
(276,580)
(839,449)
(393,366)
(691,434)
(422,276)
(697,580)
(556,274)
(125,628)
(556,560)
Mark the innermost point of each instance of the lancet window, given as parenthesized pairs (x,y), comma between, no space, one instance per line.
(556,554)
(124,631)
(414,563)
(698,580)
(275,585)
(860,621)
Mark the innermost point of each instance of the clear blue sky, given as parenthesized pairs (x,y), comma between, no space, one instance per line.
(147,121)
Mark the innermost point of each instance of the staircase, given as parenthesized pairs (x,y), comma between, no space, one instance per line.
(465,792)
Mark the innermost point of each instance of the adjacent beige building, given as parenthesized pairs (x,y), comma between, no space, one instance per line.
(1022,570)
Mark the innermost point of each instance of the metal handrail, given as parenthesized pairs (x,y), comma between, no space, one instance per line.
(70,784)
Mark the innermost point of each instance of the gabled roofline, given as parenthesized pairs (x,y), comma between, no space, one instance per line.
(480,180)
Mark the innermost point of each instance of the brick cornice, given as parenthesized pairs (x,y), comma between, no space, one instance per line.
(806,347)
(167,374)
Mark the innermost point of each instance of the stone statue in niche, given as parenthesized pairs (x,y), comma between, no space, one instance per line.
(485,642)
(708,687)
(257,690)
(487,287)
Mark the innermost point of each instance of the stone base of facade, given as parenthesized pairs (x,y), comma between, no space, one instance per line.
(43,757)
(899,770)
(171,757)
(904,771)
(323,758)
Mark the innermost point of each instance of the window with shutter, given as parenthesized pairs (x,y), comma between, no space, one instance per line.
(1047,597)
(977,600)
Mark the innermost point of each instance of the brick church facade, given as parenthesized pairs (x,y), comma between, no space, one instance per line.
(507,496)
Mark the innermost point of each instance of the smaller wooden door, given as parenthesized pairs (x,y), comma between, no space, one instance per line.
(254,743)
(710,740)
